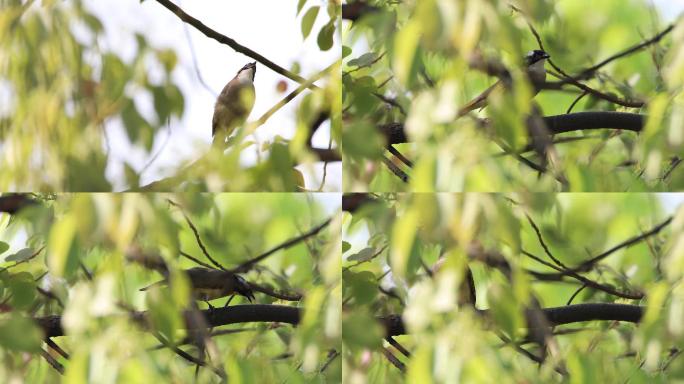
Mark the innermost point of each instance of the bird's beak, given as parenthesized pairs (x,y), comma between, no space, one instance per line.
(546,55)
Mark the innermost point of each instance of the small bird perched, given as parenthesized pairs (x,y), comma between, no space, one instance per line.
(535,70)
(234,104)
(209,284)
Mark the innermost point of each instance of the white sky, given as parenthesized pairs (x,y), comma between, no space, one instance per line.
(269,27)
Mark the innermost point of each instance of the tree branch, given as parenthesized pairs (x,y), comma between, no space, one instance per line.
(52,325)
(246,266)
(579,121)
(231,43)
(394,325)
(12,203)
(355,10)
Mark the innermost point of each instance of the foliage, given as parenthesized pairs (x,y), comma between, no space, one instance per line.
(78,267)
(421,59)
(392,243)
(61,88)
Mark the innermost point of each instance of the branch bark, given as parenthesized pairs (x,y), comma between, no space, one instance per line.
(14,202)
(394,325)
(231,43)
(579,121)
(356,10)
(52,325)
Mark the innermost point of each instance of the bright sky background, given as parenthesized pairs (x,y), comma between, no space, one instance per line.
(269,27)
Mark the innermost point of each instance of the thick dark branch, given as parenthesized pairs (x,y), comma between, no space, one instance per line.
(394,325)
(315,124)
(579,121)
(216,317)
(353,201)
(230,42)
(357,9)
(14,202)
(327,155)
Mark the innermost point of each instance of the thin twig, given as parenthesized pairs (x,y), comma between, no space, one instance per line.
(575,294)
(231,43)
(196,260)
(197,236)
(543,243)
(287,98)
(590,283)
(247,265)
(581,95)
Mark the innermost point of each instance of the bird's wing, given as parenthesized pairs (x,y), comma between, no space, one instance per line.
(478,102)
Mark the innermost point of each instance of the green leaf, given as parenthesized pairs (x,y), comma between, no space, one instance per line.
(132,176)
(134,123)
(308,20)
(406,46)
(345,246)
(19,333)
(93,22)
(363,60)
(363,255)
(361,330)
(3,247)
(346,51)
(325,36)
(300,5)
(363,286)
(161,103)
(23,289)
(63,260)
(21,255)
(168,59)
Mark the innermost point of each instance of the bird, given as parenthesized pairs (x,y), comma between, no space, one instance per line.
(536,72)
(210,284)
(234,104)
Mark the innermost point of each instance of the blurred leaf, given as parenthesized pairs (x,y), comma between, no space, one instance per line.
(363,60)
(19,334)
(300,5)
(23,290)
(360,330)
(363,255)
(20,255)
(62,249)
(308,20)
(3,247)
(325,36)
(168,59)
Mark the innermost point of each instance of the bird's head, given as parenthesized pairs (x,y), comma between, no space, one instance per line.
(535,56)
(248,70)
(243,288)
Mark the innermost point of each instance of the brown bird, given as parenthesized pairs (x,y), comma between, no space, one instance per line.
(234,104)
(209,284)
